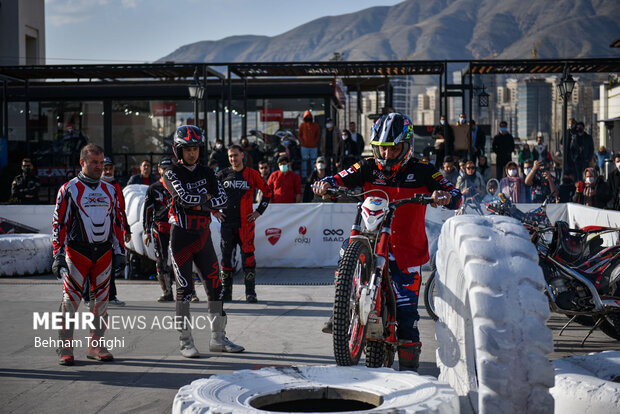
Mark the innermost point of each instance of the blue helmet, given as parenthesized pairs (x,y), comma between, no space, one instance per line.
(391,130)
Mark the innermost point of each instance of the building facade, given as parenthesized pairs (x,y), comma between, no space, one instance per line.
(22,32)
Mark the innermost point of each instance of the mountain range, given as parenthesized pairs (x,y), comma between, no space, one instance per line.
(432,29)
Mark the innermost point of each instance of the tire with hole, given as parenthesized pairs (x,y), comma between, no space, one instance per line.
(587,383)
(494,342)
(250,391)
(348,333)
(25,254)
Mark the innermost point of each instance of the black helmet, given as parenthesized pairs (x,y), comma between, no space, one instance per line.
(187,136)
(164,163)
(391,130)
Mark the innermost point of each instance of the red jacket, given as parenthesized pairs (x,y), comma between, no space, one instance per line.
(309,133)
(408,242)
(285,187)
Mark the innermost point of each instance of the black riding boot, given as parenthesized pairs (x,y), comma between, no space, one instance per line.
(409,356)
(250,285)
(227,285)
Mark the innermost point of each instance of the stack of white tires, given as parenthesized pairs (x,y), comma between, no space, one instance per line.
(25,254)
(493,340)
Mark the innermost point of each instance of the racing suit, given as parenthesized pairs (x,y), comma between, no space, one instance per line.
(88,232)
(408,242)
(155,222)
(195,193)
(236,228)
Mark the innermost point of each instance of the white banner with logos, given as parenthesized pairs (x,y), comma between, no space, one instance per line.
(310,234)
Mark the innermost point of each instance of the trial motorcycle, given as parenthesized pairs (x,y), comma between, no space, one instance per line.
(582,278)
(364,316)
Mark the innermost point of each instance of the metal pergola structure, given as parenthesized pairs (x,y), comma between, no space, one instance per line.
(151,81)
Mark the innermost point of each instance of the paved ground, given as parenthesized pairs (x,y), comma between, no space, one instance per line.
(282,329)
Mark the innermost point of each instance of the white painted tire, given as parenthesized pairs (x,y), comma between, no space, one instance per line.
(134,206)
(493,340)
(402,392)
(587,384)
(25,254)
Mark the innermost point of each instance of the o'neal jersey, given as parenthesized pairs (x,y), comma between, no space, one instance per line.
(191,207)
(408,242)
(239,187)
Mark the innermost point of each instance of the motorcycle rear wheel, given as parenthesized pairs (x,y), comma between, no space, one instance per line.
(348,332)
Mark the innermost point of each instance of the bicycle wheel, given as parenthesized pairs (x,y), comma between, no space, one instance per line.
(430,290)
(348,332)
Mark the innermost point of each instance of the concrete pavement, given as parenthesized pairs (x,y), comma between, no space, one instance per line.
(282,329)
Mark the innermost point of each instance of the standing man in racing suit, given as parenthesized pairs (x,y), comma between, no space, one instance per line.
(195,193)
(157,228)
(88,243)
(393,170)
(238,219)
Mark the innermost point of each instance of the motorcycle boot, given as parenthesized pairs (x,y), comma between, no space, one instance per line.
(249,278)
(328,326)
(409,355)
(166,287)
(65,334)
(219,342)
(187,347)
(96,347)
(227,285)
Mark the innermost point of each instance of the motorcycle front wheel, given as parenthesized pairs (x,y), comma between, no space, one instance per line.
(349,334)
(430,290)
(611,325)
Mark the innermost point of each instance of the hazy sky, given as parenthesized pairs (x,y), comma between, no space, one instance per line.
(110,31)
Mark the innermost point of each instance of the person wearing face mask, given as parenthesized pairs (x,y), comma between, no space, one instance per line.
(580,150)
(543,183)
(25,187)
(512,186)
(614,183)
(527,168)
(284,183)
(462,138)
(525,155)
(347,152)
(309,135)
(318,174)
(503,145)
(593,191)
(329,143)
(220,155)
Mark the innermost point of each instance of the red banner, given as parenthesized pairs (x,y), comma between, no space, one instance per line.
(289,123)
(164,109)
(271,114)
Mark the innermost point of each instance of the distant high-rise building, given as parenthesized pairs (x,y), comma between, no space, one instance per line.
(22,32)
(506,107)
(534,98)
(427,107)
(402,98)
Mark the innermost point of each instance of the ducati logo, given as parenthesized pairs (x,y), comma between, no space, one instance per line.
(273,234)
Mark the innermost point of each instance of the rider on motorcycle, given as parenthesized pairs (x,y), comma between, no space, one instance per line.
(394,170)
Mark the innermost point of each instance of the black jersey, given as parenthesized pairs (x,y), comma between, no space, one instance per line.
(239,187)
(156,205)
(195,193)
